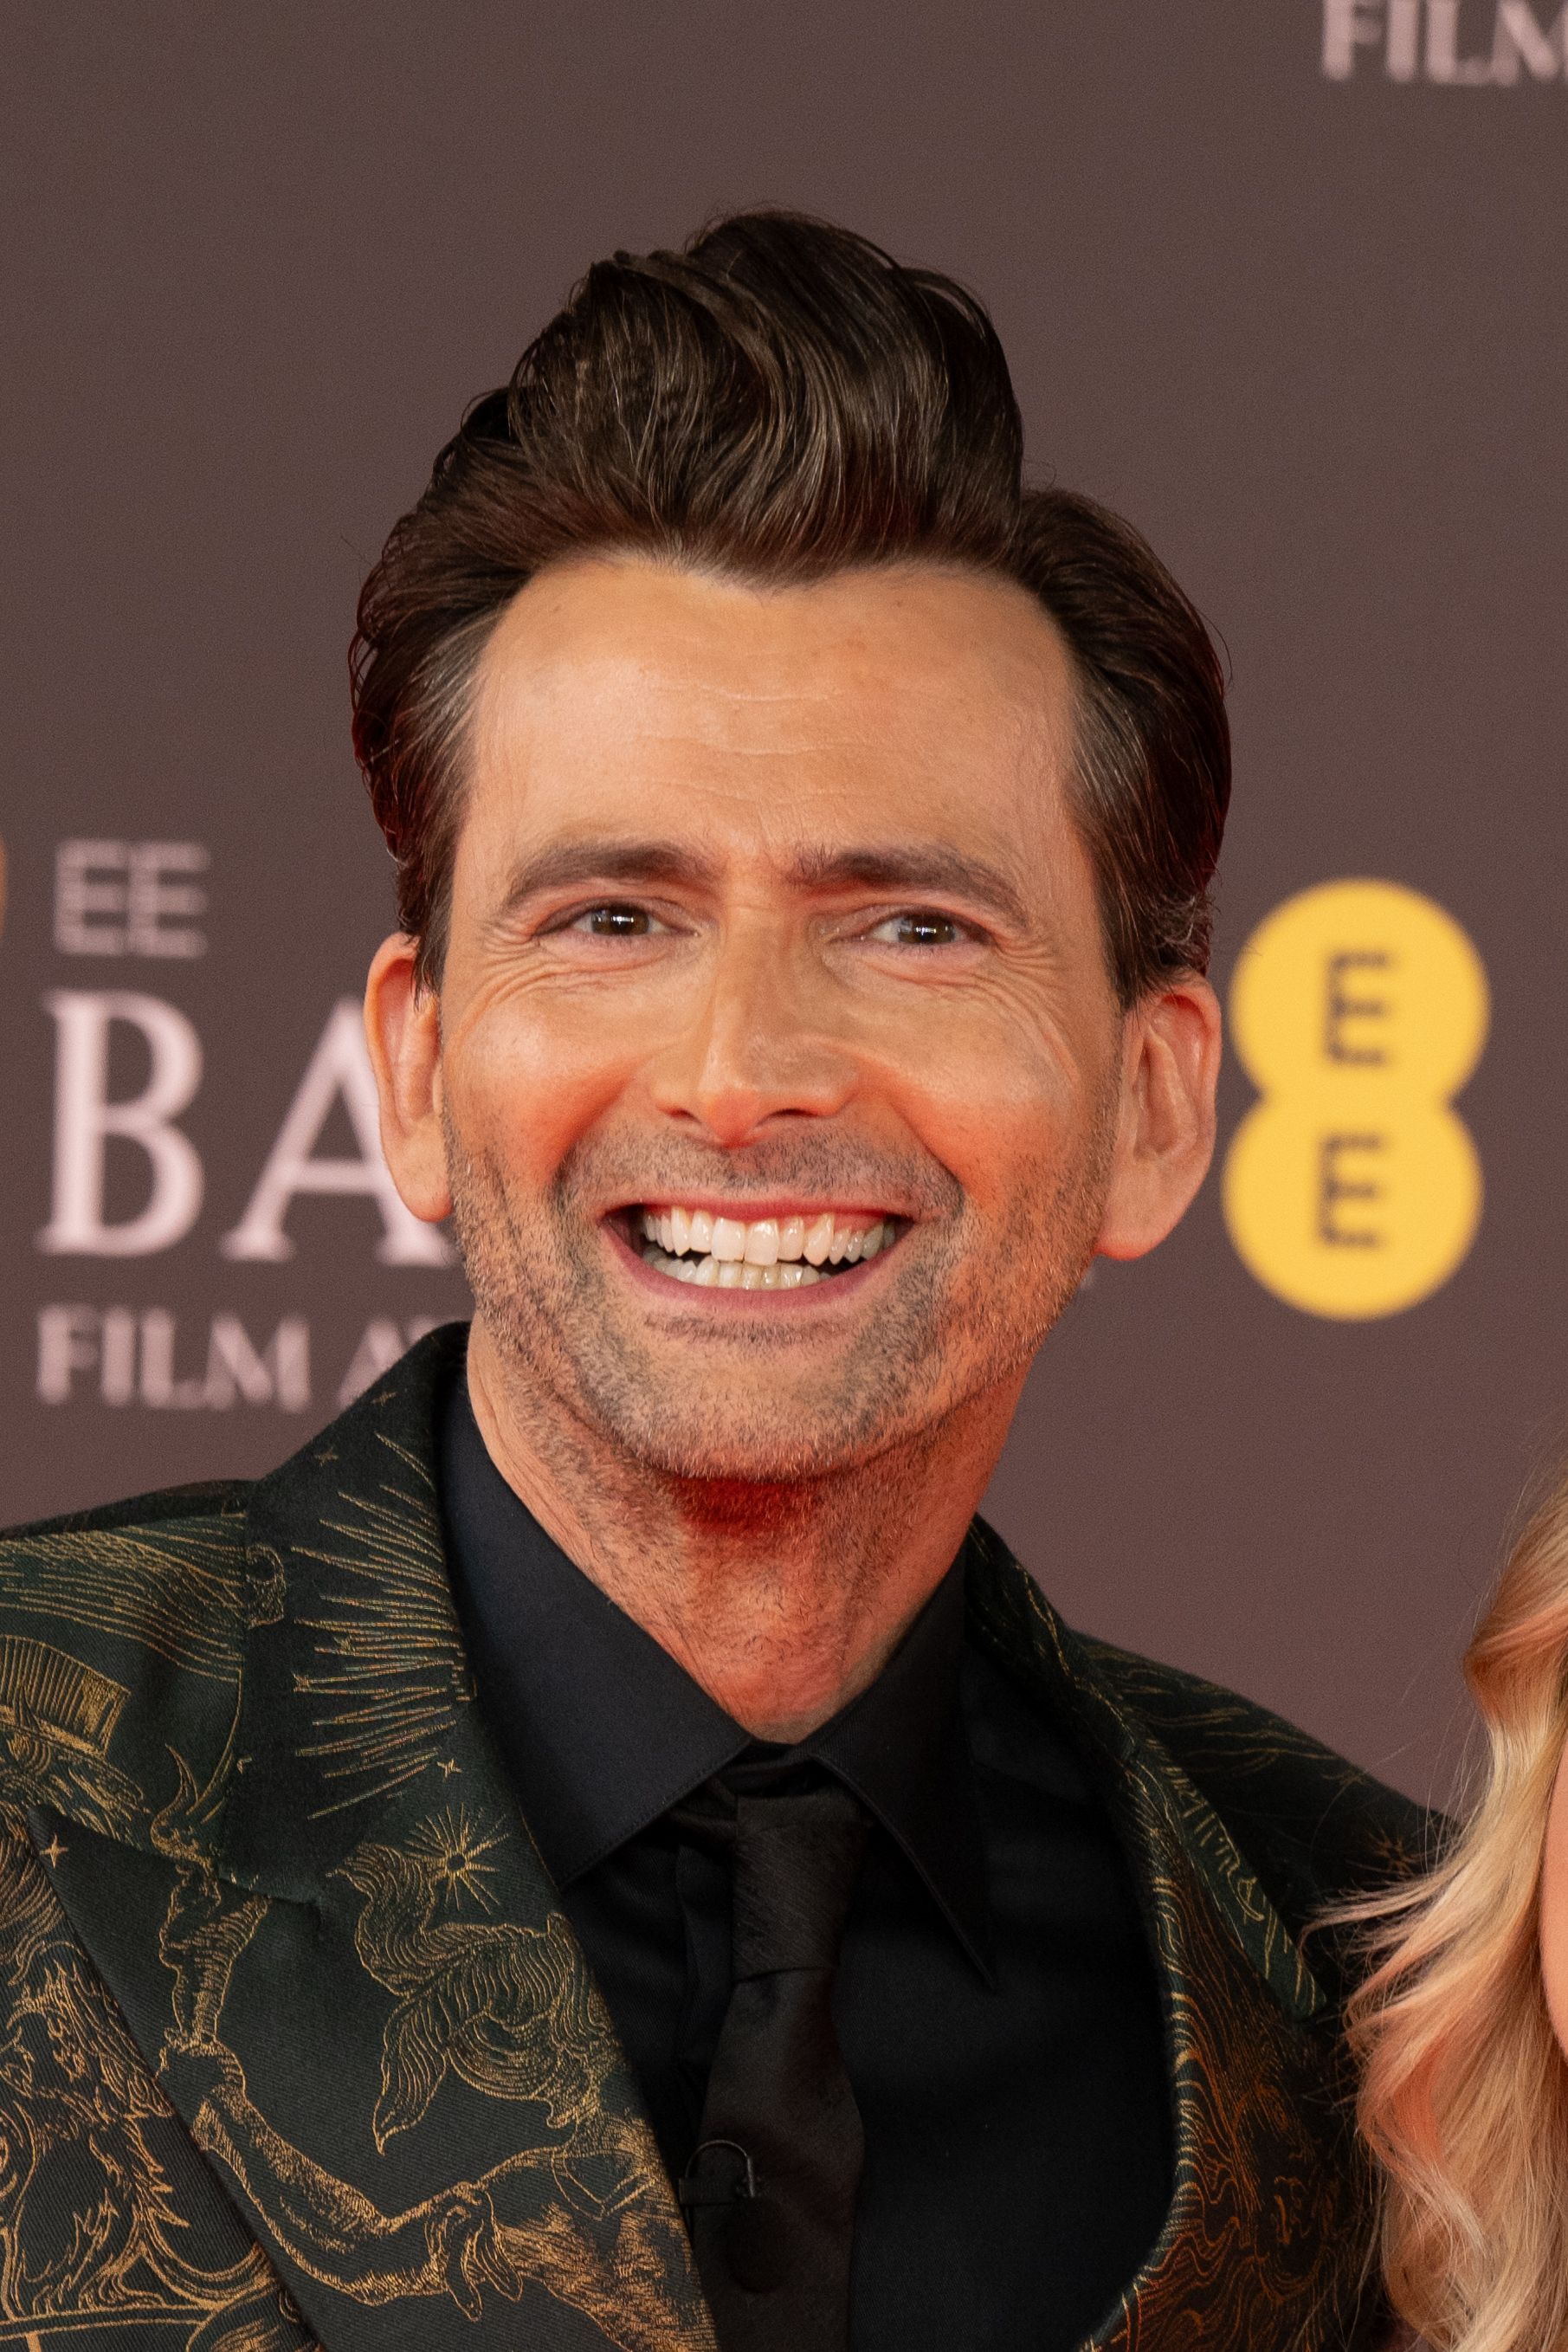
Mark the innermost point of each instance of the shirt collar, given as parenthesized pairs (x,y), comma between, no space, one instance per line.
(901,1747)
(602,1731)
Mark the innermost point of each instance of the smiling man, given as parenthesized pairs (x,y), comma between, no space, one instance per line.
(779,1084)
(605,1848)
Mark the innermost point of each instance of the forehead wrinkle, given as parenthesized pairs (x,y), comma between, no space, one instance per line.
(683,694)
(655,720)
(552,713)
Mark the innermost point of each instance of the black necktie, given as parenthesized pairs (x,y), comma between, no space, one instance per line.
(770,2191)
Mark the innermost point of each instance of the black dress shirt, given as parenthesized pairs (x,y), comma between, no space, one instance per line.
(996,2000)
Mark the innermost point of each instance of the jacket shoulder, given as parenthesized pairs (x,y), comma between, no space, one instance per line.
(1316,1827)
(122,1637)
(168,1573)
(204,1499)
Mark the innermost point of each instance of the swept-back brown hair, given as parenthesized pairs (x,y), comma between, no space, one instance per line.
(781,400)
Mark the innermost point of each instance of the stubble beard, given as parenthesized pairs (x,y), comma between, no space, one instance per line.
(954,1322)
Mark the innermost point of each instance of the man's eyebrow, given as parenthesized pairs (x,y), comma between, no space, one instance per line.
(906,868)
(898,870)
(605,860)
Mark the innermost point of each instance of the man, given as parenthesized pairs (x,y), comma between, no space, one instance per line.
(604,1848)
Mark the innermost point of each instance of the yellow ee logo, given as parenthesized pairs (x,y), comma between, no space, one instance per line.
(1358,1010)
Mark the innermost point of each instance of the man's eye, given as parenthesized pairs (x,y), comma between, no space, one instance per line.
(616,922)
(919,929)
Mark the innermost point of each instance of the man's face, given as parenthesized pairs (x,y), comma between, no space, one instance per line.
(770,932)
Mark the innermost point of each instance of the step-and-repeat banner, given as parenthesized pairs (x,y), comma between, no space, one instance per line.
(1281,281)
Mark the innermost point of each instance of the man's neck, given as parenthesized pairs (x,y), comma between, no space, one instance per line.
(783,1600)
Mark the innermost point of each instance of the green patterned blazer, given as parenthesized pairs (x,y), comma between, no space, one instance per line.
(297,2047)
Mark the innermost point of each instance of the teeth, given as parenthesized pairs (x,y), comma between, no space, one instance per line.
(768,1254)
(711,1272)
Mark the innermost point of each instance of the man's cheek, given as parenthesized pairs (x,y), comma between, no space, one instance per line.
(1002,1141)
(531,1102)
(1006,1073)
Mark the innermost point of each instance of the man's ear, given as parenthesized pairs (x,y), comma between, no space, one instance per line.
(1165,1137)
(402,1030)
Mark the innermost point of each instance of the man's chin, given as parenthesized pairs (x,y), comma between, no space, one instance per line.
(752,1449)
(760,1406)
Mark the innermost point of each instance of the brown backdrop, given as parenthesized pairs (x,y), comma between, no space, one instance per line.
(1280,279)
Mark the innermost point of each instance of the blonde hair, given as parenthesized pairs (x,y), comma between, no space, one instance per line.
(1464,2090)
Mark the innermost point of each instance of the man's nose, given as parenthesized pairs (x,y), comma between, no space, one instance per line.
(759,1044)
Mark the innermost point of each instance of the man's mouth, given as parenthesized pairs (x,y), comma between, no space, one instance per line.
(790,1253)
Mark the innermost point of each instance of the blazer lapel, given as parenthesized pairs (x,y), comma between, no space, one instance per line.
(338,1944)
(1265,2243)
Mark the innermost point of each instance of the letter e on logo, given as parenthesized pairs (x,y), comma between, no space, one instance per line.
(1353,1189)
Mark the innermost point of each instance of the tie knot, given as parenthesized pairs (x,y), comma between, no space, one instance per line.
(796,1855)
